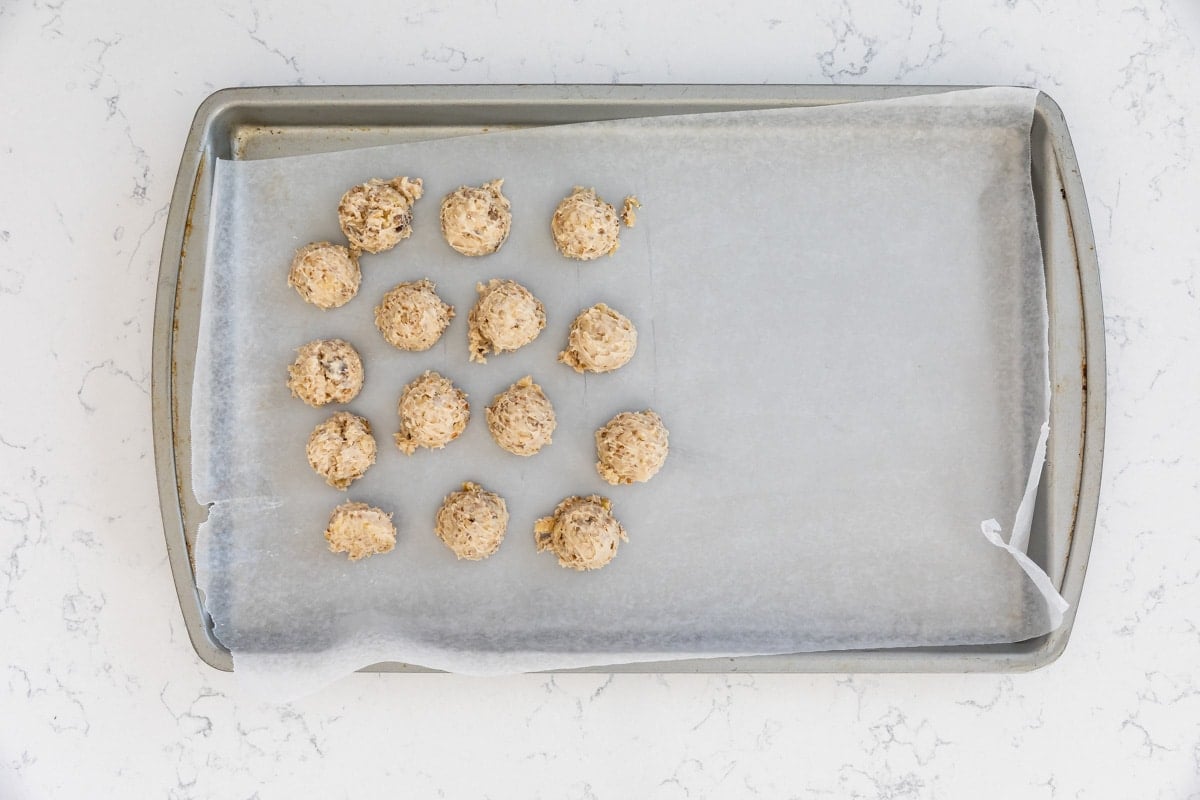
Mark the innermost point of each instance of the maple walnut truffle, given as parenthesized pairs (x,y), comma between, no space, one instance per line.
(472,522)
(377,215)
(505,317)
(521,418)
(601,340)
(476,220)
(326,371)
(341,449)
(325,274)
(631,447)
(412,317)
(584,226)
(433,413)
(360,531)
(582,532)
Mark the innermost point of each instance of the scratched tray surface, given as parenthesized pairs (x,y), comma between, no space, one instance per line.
(248,125)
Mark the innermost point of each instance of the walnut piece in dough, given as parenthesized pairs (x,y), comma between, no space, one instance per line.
(433,413)
(472,522)
(601,340)
(521,418)
(359,530)
(582,532)
(584,226)
(412,317)
(505,317)
(628,215)
(631,447)
(325,274)
(341,449)
(377,215)
(476,220)
(326,371)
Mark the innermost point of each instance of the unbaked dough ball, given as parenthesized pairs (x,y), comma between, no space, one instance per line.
(600,340)
(433,413)
(325,274)
(326,371)
(506,317)
(583,533)
(359,530)
(521,418)
(472,522)
(412,317)
(341,449)
(377,215)
(476,220)
(631,447)
(584,226)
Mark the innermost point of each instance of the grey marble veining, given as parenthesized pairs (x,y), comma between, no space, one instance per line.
(100,693)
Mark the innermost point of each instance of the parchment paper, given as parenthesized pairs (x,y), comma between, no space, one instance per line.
(842,321)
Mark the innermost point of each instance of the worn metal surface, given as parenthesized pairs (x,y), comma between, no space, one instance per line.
(274,121)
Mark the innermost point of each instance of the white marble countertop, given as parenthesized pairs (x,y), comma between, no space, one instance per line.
(100,692)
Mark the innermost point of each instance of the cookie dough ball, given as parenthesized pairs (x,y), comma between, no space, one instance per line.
(472,522)
(377,215)
(631,447)
(476,220)
(600,340)
(506,317)
(521,418)
(326,371)
(433,413)
(412,316)
(359,530)
(341,449)
(584,226)
(325,274)
(583,533)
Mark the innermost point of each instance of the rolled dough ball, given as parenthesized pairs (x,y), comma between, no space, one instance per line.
(476,220)
(377,215)
(325,274)
(433,413)
(412,317)
(584,226)
(341,449)
(583,533)
(521,418)
(631,447)
(359,530)
(601,340)
(326,371)
(472,522)
(506,317)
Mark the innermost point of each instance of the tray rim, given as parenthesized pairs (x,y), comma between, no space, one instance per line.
(225,102)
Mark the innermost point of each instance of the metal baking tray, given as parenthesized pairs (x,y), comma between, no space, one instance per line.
(255,123)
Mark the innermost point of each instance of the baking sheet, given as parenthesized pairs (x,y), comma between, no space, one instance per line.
(842,320)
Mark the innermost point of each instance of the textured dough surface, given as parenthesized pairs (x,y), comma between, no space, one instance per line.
(582,532)
(584,226)
(628,211)
(433,413)
(359,530)
(412,317)
(377,215)
(601,340)
(326,371)
(472,522)
(521,418)
(341,449)
(506,317)
(325,274)
(631,447)
(476,219)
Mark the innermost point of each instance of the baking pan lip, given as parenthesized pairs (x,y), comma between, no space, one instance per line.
(208,139)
